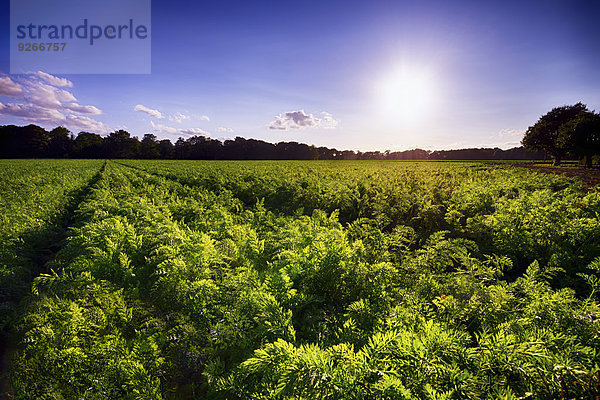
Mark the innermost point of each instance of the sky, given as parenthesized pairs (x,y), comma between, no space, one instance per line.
(360,75)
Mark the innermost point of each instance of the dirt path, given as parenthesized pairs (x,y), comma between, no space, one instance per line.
(590,177)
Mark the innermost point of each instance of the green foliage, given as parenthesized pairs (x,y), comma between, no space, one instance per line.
(36,199)
(291,280)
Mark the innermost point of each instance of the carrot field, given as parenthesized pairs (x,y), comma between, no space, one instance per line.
(297,280)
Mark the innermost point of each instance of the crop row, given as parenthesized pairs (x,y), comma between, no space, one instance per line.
(36,200)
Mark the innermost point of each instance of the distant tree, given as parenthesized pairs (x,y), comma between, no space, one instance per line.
(149,146)
(543,135)
(581,136)
(295,151)
(120,144)
(234,149)
(416,154)
(326,154)
(29,141)
(203,148)
(165,149)
(348,155)
(249,149)
(88,145)
(34,140)
(519,153)
(8,141)
(370,155)
(60,144)
(213,149)
(182,149)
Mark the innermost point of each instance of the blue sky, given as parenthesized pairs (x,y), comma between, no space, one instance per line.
(370,75)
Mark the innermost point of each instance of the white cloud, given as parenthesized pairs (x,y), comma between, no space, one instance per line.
(47,96)
(174,131)
(54,80)
(328,122)
(294,120)
(78,108)
(151,112)
(178,117)
(9,88)
(44,102)
(194,131)
(223,129)
(163,128)
(49,116)
(31,112)
(300,120)
(511,132)
(82,123)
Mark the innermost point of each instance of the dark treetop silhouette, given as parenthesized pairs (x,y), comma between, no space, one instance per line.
(32,141)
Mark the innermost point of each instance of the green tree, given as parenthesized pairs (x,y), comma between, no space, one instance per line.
(543,135)
(61,143)
(149,146)
(120,144)
(88,145)
(581,136)
(165,148)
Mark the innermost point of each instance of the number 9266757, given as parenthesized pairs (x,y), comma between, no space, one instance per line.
(50,46)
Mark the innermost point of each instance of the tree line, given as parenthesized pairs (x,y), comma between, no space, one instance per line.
(567,132)
(33,141)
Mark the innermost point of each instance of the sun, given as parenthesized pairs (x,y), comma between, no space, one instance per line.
(406,94)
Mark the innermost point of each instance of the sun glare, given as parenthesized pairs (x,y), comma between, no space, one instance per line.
(406,95)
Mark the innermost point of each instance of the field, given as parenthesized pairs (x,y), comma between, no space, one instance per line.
(297,280)
(590,177)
